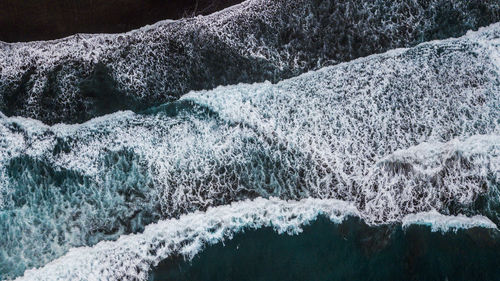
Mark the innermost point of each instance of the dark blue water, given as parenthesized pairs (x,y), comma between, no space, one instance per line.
(349,251)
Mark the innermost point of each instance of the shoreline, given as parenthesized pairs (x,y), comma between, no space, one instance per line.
(23,21)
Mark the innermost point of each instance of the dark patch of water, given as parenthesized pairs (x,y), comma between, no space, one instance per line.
(348,251)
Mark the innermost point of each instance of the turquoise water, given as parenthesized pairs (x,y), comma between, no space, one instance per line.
(348,251)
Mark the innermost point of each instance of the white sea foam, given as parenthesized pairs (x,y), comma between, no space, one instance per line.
(132,256)
(439,222)
(400,133)
(250,42)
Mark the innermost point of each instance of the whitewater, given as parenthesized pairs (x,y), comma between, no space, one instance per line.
(131,256)
(74,79)
(410,136)
(224,124)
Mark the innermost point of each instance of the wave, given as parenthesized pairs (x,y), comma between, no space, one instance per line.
(439,222)
(83,76)
(132,256)
(405,132)
(350,250)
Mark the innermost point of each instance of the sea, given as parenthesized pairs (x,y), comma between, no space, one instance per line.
(271,140)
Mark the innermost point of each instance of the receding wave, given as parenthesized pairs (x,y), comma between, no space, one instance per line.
(410,131)
(83,76)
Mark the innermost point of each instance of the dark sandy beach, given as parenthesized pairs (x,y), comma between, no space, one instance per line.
(31,20)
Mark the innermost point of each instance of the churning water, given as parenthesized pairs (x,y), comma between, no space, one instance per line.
(132,156)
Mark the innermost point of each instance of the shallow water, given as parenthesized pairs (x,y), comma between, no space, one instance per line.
(348,251)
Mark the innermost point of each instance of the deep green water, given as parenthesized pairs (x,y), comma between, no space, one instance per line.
(349,251)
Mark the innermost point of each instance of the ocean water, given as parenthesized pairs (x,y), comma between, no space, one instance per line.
(140,155)
(74,79)
(351,250)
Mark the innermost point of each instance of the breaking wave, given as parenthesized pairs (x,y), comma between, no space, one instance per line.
(132,256)
(83,76)
(397,137)
(350,250)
